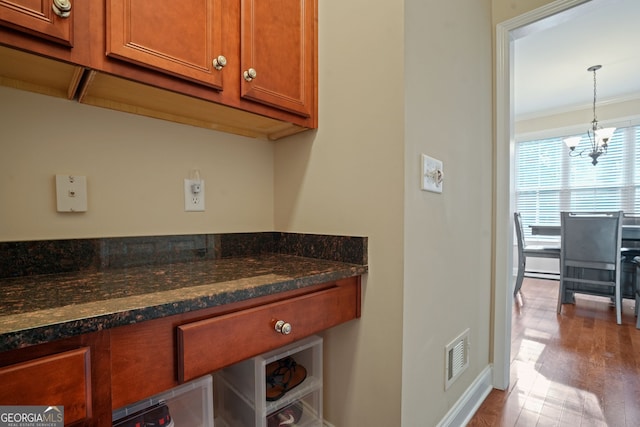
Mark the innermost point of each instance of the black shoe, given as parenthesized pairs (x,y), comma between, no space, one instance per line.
(133,421)
(158,417)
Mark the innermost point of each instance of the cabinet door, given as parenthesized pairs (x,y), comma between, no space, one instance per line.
(59,379)
(37,17)
(181,39)
(279,43)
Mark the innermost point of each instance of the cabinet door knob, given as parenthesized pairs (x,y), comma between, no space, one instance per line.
(219,62)
(62,8)
(250,74)
(283,327)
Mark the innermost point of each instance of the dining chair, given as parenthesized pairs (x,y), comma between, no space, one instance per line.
(590,256)
(530,251)
(637,298)
(630,251)
(631,265)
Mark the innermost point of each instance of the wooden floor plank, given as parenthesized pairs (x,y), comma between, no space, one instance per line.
(576,368)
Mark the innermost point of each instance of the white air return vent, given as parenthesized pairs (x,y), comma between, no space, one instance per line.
(456,358)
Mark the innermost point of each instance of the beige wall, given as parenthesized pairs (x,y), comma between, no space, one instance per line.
(612,113)
(410,72)
(348,179)
(447,283)
(135,168)
(503,10)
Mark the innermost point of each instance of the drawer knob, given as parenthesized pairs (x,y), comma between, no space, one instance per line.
(283,327)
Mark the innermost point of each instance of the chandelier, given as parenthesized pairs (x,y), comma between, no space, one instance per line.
(598,136)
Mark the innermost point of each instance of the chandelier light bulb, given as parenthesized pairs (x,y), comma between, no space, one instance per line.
(572,142)
(605,134)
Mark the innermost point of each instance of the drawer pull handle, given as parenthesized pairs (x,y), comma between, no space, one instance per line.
(283,327)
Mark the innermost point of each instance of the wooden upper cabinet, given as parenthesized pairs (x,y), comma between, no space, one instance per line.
(278,45)
(181,39)
(37,17)
(176,54)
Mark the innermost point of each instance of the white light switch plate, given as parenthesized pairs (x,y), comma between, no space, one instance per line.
(432,176)
(71,193)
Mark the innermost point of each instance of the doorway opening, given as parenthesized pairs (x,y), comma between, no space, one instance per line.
(506,34)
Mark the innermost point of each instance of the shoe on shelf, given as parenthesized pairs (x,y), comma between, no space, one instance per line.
(132,421)
(158,417)
(286,417)
(283,375)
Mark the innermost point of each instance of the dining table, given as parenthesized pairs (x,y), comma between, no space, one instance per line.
(629,232)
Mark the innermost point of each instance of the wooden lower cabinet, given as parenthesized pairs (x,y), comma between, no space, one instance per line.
(93,374)
(211,344)
(63,378)
(73,373)
(151,357)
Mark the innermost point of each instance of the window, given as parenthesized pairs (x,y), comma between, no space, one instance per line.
(549,181)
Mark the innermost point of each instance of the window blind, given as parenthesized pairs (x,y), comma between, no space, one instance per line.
(548,180)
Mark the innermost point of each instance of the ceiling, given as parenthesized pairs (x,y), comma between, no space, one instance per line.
(551,58)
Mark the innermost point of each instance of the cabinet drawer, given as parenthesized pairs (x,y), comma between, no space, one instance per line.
(59,379)
(211,344)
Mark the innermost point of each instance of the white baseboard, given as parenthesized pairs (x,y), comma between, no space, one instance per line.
(464,409)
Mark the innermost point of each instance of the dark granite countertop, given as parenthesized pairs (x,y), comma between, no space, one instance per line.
(120,284)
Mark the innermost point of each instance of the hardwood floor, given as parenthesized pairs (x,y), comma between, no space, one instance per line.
(578,368)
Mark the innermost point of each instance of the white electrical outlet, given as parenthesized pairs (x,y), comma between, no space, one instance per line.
(194,195)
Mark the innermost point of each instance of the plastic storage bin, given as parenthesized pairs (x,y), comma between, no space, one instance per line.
(189,405)
(240,390)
